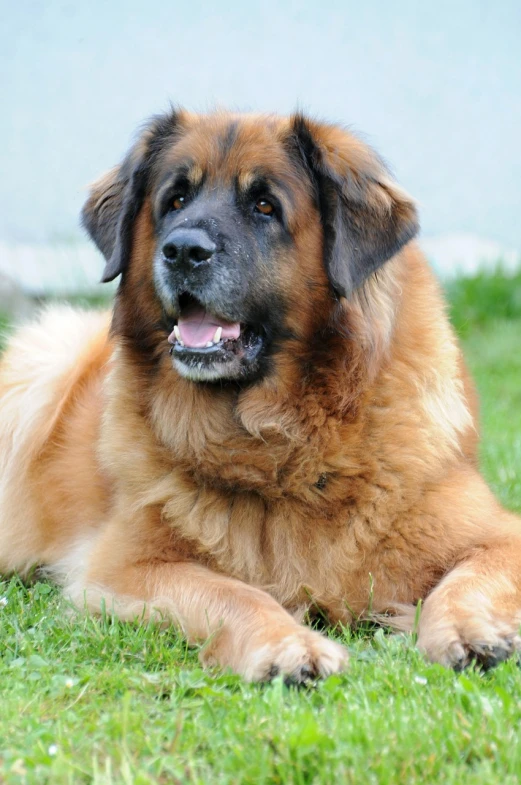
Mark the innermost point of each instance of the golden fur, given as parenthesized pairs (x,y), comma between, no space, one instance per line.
(352,487)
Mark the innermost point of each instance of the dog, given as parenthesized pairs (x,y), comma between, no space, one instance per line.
(275,419)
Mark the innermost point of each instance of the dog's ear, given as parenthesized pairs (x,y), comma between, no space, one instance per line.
(366,217)
(116,198)
(112,207)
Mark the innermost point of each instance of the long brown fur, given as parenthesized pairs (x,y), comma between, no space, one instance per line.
(346,479)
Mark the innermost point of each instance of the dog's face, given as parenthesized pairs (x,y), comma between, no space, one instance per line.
(226,208)
(244,231)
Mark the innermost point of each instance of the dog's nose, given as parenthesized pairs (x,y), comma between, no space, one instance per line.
(188,246)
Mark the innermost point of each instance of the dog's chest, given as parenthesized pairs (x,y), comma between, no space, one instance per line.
(303,553)
(299,517)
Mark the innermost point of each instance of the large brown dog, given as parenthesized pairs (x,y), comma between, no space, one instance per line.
(279,418)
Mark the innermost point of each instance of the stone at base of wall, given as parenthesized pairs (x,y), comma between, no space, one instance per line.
(66,269)
(464,253)
(14,303)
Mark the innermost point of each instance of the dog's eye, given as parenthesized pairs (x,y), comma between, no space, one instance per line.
(264,207)
(178,202)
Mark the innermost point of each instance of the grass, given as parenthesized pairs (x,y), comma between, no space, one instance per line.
(87,700)
(486,311)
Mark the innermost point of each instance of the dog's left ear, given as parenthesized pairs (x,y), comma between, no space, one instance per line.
(116,198)
(366,217)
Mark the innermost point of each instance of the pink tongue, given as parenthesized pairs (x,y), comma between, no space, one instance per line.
(197,328)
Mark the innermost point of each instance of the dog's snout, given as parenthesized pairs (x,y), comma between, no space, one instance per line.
(188,246)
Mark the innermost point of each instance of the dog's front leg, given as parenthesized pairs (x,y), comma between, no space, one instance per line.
(241,627)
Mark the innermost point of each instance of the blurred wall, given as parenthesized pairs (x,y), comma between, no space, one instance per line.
(436,87)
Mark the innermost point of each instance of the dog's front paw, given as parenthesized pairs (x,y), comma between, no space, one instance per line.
(460,635)
(300,657)
(298,654)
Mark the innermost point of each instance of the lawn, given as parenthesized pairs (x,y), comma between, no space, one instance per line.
(87,700)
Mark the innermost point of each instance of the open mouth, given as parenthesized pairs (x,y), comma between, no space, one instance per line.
(207,347)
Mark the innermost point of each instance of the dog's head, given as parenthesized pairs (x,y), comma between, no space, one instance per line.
(236,234)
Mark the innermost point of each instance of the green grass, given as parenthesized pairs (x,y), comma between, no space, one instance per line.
(483,299)
(86,700)
(486,311)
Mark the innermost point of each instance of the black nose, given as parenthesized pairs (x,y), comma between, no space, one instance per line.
(188,246)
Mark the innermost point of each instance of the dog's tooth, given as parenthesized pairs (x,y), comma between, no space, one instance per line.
(217,336)
(210,343)
(177,333)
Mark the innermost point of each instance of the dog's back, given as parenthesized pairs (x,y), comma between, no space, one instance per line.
(42,372)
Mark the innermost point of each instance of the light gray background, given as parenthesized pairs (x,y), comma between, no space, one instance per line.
(435,87)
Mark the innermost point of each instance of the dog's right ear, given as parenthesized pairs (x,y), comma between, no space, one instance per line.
(112,207)
(116,198)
